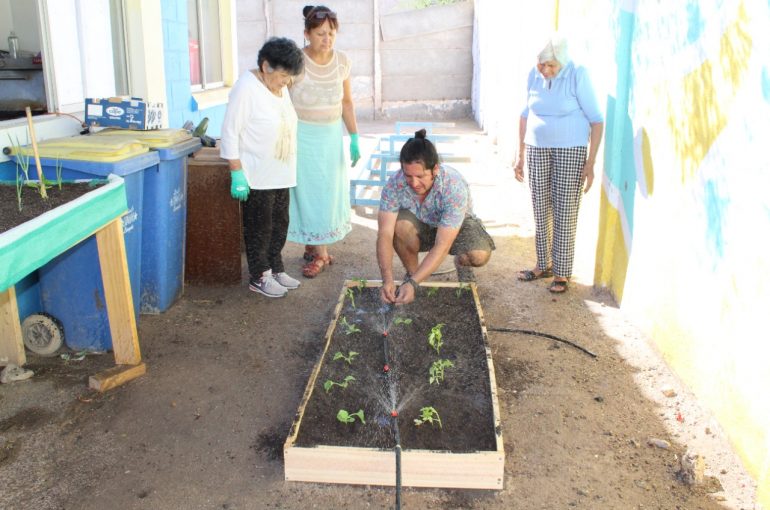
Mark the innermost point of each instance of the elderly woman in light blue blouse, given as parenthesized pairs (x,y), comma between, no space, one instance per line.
(559,134)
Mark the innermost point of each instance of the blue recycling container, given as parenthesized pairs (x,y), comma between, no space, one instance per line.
(163,227)
(71,287)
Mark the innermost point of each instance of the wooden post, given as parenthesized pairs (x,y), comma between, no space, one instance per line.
(11,343)
(40,176)
(117,293)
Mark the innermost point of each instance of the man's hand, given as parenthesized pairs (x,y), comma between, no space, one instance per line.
(239,186)
(406,293)
(388,292)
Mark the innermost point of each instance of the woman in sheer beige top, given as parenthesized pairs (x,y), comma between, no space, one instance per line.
(319,212)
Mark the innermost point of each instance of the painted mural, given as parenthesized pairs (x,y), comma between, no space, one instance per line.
(684,209)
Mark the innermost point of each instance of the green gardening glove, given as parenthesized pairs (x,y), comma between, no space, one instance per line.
(355,152)
(239,187)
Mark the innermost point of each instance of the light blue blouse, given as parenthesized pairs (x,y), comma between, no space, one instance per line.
(559,111)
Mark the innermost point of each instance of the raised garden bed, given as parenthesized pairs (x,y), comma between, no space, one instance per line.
(465,451)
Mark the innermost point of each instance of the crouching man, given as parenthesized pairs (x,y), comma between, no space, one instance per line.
(426,207)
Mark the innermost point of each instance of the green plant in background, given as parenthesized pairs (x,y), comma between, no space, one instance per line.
(463,287)
(351,296)
(435,338)
(59,166)
(346,417)
(329,384)
(361,283)
(402,320)
(432,291)
(349,328)
(436,370)
(348,359)
(428,415)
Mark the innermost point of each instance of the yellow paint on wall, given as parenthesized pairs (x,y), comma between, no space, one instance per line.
(707,94)
(611,253)
(647,166)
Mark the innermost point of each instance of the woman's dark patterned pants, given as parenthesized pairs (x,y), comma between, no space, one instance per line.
(265,223)
(555,183)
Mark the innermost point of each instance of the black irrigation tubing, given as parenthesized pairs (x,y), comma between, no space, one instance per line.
(388,374)
(545,335)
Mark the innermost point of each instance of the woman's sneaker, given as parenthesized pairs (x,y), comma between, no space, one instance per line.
(267,285)
(286,280)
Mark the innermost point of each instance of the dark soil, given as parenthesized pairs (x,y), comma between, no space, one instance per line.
(463,400)
(32,205)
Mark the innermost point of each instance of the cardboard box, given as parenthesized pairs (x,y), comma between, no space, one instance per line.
(122,112)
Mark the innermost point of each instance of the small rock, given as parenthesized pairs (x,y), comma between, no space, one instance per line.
(669,393)
(692,468)
(12,373)
(634,443)
(708,431)
(660,443)
(599,398)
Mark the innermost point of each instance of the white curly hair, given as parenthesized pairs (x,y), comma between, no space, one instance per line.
(555,49)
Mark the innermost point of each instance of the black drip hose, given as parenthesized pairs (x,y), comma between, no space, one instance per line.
(388,373)
(546,335)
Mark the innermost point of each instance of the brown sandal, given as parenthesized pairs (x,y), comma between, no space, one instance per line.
(316,266)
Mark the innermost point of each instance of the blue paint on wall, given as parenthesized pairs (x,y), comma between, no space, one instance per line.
(694,22)
(715,206)
(177,69)
(766,83)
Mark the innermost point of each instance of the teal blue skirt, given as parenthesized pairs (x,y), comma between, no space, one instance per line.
(319,211)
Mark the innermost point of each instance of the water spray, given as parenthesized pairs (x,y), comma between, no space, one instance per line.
(394,415)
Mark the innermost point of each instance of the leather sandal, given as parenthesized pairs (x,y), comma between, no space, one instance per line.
(527,275)
(309,253)
(558,286)
(316,266)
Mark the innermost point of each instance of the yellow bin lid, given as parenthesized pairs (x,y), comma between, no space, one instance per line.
(155,139)
(87,148)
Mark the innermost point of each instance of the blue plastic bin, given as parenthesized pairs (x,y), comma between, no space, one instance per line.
(163,227)
(71,286)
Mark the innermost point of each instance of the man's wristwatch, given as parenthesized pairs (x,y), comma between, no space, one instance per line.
(414,284)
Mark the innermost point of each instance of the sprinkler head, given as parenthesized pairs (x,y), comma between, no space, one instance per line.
(394,413)
(384,333)
(386,368)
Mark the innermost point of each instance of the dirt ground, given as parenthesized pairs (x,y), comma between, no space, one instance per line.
(204,428)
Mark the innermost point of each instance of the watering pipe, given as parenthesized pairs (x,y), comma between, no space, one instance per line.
(394,415)
(544,335)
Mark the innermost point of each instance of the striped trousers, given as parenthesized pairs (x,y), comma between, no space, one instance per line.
(555,184)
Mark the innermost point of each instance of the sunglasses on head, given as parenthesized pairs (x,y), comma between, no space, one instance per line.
(319,15)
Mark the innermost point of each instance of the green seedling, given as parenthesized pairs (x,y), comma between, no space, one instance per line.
(462,288)
(432,291)
(329,384)
(361,283)
(351,296)
(402,320)
(346,417)
(436,370)
(435,338)
(19,186)
(428,415)
(59,166)
(348,359)
(349,328)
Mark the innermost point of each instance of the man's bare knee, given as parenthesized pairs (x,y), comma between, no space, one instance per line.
(474,258)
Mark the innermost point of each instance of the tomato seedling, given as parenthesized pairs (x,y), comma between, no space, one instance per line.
(361,283)
(435,339)
(462,288)
(351,296)
(432,291)
(329,384)
(346,417)
(349,328)
(348,359)
(436,370)
(402,320)
(428,415)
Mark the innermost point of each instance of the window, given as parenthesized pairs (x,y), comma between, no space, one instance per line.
(205,44)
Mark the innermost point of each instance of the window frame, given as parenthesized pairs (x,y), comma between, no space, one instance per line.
(223,29)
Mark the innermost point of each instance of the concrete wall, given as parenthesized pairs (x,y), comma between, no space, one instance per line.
(407,64)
